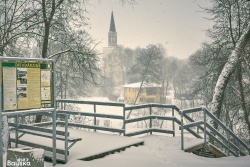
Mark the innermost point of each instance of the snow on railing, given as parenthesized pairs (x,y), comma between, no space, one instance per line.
(212,133)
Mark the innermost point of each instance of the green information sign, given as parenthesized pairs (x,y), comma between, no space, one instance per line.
(26,85)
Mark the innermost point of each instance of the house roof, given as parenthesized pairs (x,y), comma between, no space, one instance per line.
(138,84)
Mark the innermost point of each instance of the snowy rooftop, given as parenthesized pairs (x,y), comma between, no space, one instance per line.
(138,84)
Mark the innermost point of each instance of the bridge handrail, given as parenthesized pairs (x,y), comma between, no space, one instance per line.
(216,120)
(151,117)
(125,108)
(226,128)
(90,102)
(90,114)
(134,107)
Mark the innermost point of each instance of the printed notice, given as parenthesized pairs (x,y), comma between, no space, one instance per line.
(9,88)
(33,85)
(46,99)
(45,78)
(22,88)
(45,92)
(26,85)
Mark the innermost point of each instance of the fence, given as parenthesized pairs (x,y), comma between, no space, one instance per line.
(95,126)
(230,142)
(152,116)
(236,148)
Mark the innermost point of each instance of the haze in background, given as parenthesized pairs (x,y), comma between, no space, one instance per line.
(179,25)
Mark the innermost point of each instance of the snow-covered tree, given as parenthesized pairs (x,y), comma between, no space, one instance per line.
(149,63)
(224,63)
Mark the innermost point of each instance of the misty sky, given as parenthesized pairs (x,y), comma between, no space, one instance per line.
(179,25)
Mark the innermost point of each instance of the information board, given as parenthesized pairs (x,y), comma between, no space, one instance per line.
(26,85)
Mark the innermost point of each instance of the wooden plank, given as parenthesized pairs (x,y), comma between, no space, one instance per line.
(41,134)
(227,129)
(177,121)
(165,106)
(41,129)
(48,123)
(47,148)
(74,139)
(137,107)
(93,127)
(62,138)
(137,119)
(91,102)
(45,111)
(198,109)
(90,114)
(162,130)
(193,133)
(162,117)
(225,139)
(150,117)
(193,124)
(207,147)
(48,158)
(138,132)
(215,150)
(112,151)
(194,148)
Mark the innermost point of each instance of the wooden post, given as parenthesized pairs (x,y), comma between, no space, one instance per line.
(173,122)
(16,130)
(23,118)
(198,131)
(95,116)
(228,143)
(150,123)
(205,126)
(66,139)
(124,123)
(182,134)
(54,136)
(54,113)
(1,126)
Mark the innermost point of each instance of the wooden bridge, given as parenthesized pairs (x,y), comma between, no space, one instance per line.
(225,142)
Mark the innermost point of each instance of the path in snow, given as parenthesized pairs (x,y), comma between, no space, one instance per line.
(159,151)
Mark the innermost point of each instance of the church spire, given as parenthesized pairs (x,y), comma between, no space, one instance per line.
(112,36)
(112,23)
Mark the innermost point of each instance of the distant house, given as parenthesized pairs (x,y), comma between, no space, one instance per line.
(150,93)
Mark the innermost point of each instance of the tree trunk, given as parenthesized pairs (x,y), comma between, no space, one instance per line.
(46,41)
(226,73)
(243,102)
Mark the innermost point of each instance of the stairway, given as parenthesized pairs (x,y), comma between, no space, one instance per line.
(224,138)
(206,150)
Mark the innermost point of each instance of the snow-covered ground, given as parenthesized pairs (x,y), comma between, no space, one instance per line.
(159,151)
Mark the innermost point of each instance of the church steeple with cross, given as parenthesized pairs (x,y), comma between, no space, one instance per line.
(112,35)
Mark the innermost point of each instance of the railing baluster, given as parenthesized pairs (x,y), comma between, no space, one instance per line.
(54,137)
(150,123)
(173,122)
(228,143)
(124,123)
(182,134)
(66,138)
(16,128)
(95,116)
(205,126)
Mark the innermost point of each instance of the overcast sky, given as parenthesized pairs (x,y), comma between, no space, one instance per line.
(179,25)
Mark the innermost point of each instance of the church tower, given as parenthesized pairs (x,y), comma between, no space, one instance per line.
(112,36)
(111,69)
